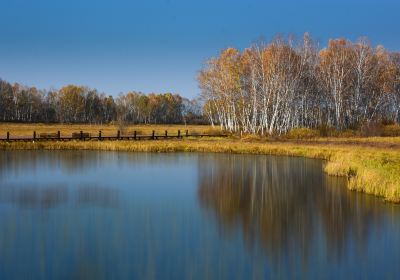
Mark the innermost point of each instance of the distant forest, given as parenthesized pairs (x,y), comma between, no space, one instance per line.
(270,88)
(77,104)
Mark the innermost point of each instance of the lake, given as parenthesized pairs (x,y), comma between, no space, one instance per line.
(115,215)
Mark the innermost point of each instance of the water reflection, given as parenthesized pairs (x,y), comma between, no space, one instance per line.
(93,195)
(108,215)
(286,205)
(73,162)
(31,196)
(49,196)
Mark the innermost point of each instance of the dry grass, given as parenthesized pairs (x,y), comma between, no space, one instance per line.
(22,129)
(303,133)
(371,170)
(370,141)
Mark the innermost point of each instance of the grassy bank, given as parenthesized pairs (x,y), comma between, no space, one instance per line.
(370,169)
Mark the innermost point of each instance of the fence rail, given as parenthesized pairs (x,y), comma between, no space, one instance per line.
(86,136)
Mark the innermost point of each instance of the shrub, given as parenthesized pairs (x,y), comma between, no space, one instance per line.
(303,133)
(372,128)
(329,131)
(347,133)
(251,138)
(391,130)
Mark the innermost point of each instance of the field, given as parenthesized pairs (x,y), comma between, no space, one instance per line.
(22,129)
(372,165)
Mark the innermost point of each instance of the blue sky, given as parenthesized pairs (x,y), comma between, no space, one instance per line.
(158,46)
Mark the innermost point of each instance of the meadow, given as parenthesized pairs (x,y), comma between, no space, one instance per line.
(26,129)
(371,164)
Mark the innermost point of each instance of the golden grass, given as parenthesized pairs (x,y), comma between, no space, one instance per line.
(358,140)
(372,170)
(23,129)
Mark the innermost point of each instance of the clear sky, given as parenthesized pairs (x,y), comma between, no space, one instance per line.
(158,46)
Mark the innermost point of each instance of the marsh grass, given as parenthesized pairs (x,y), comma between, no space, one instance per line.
(369,169)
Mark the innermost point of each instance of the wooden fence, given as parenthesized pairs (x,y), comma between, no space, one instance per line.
(85,136)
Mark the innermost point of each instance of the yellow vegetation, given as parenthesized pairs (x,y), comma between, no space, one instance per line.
(23,129)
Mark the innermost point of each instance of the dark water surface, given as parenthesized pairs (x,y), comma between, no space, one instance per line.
(106,215)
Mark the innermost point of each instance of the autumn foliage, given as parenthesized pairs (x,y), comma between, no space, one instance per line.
(273,88)
(78,104)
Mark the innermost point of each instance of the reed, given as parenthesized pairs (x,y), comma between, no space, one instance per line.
(369,169)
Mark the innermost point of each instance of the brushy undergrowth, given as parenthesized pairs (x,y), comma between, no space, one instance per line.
(391,130)
(303,133)
(369,169)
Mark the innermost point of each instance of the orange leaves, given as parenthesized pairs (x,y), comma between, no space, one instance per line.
(338,54)
(247,60)
(279,85)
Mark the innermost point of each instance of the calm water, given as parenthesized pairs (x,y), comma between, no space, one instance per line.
(106,215)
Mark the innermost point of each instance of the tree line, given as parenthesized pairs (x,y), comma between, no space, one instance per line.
(78,104)
(274,87)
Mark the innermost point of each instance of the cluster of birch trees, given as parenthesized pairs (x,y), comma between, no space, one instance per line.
(272,88)
(77,104)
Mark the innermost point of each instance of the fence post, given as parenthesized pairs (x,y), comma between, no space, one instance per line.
(99,135)
(166,134)
(8,135)
(152,135)
(134,135)
(187,133)
(118,134)
(179,133)
(34,135)
(58,135)
(81,134)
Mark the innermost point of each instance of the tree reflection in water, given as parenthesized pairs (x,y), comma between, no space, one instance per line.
(285,205)
(93,215)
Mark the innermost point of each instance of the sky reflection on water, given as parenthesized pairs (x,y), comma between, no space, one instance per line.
(102,215)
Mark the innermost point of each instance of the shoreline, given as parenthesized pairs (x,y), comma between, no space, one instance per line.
(372,170)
